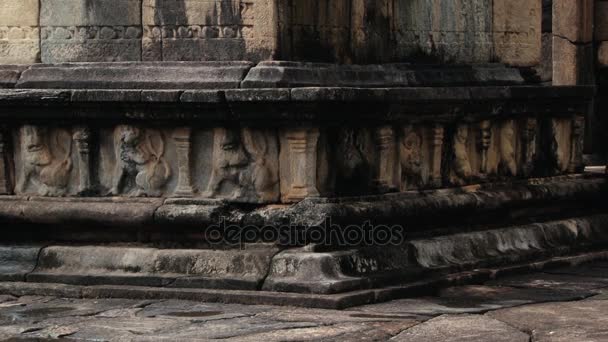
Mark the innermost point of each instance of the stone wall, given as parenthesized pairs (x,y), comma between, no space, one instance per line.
(347,31)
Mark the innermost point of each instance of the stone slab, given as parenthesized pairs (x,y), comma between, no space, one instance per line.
(462,328)
(553,281)
(9,75)
(574,20)
(19,32)
(294,74)
(572,63)
(90,31)
(170,75)
(559,322)
(517,31)
(195,30)
(17,261)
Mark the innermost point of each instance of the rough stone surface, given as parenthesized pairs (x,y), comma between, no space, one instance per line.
(194,30)
(602,54)
(462,328)
(517,31)
(572,63)
(573,21)
(577,321)
(19,32)
(90,31)
(160,75)
(17,261)
(601,21)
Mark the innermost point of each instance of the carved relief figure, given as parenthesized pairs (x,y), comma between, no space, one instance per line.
(241,167)
(411,158)
(354,166)
(49,173)
(461,165)
(140,156)
(508,161)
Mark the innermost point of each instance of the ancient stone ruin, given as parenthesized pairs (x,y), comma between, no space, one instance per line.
(138,138)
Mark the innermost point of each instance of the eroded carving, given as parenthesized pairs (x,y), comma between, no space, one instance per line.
(437,134)
(386,158)
(82,138)
(140,158)
(529,136)
(461,171)
(485,141)
(183,142)
(242,168)
(410,155)
(354,166)
(507,149)
(48,172)
(576,150)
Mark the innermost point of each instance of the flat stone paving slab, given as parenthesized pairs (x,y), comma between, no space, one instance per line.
(565,305)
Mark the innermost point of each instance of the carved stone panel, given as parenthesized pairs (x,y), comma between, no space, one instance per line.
(189,30)
(244,166)
(354,160)
(90,30)
(138,161)
(386,166)
(418,148)
(503,158)
(560,135)
(19,32)
(45,162)
(463,157)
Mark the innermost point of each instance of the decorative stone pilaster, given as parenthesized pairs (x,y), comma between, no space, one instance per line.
(5,183)
(437,134)
(299,164)
(183,142)
(385,143)
(528,139)
(576,150)
(485,132)
(82,140)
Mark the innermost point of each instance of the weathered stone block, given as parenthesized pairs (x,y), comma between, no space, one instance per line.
(601,20)
(19,32)
(573,20)
(602,54)
(572,63)
(87,31)
(517,31)
(443,29)
(188,30)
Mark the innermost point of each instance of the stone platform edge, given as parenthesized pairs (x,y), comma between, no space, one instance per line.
(328,301)
(388,208)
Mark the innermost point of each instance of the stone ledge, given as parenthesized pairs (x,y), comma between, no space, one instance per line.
(400,207)
(333,301)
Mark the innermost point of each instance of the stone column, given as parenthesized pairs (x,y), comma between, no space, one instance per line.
(299,164)
(5,184)
(437,133)
(82,138)
(183,142)
(485,133)
(19,32)
(386,157)
(573,60)
(529,146)
(576,149)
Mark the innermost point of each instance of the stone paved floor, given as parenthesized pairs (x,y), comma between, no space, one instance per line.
(557,305)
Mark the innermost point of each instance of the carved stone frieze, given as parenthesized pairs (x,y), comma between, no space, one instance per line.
(244,165)
(141,168)
(46,161)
